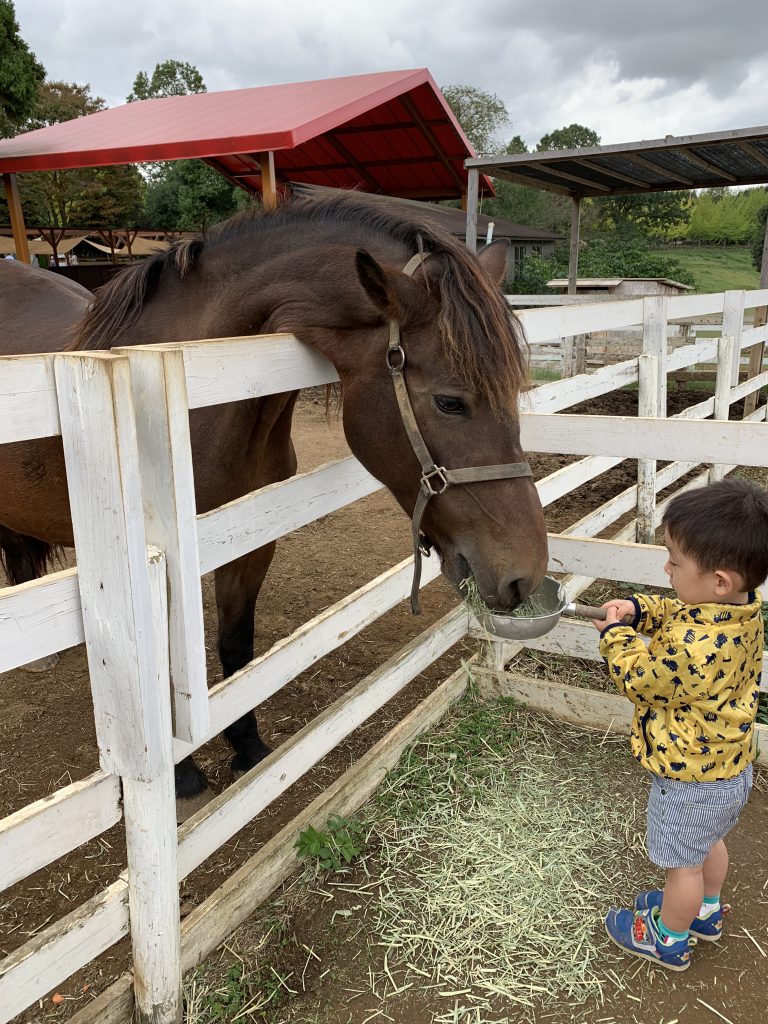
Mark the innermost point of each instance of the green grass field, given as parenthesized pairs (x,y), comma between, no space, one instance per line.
(716,268)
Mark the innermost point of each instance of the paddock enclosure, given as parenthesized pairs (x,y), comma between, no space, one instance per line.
(136,600)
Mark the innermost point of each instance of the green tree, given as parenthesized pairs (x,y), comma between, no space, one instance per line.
(482,115)
(20,73)
(652,214)
(170,78)
(572,136)
(189,195)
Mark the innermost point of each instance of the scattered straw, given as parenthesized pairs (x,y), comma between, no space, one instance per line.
(498,853)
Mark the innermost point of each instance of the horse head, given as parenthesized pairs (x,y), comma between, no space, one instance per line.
(463,363)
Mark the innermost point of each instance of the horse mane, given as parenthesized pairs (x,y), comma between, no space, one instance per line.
(483,342)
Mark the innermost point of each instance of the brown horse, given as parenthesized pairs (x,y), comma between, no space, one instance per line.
(330,272)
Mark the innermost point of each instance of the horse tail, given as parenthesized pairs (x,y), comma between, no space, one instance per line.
(25,558)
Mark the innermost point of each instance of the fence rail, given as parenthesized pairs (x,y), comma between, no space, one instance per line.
(123,418)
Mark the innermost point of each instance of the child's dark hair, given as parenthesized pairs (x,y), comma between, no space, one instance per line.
(723,526)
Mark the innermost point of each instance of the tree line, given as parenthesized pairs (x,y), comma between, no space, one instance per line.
(189,195)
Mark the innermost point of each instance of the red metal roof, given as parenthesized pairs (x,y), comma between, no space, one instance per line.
(390,132)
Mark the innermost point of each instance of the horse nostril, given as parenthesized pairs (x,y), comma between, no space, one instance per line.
(513,592)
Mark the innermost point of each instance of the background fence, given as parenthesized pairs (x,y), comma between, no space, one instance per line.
(123,417)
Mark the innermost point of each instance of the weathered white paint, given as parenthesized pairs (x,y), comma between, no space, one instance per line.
(151,847)
(61,949)
(560,394)
(262,516)
(227,813)
(167,479)
(39,618)
(651,401)
(632,438)
(102,461)
(608,559)
(265,675)
(231,369)
(28,404)
(48,828)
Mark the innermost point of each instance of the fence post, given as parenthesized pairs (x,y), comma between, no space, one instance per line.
(726,348)
(159,392)
(125,626)
(567,356)
(655,343)
(647,406)
(733,327)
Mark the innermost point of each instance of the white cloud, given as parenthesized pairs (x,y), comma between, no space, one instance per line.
(684,67)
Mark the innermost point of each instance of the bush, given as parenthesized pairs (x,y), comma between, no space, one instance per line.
(600,258)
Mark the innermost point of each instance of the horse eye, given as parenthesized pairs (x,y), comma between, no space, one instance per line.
(450,406)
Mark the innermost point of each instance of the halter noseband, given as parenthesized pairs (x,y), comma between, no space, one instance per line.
(435,480)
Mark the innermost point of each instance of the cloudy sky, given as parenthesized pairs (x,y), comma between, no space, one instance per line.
(628,71)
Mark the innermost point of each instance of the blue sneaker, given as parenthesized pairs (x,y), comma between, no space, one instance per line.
(636,933)
(708,929)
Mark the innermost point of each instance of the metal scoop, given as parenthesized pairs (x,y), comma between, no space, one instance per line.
(551,599)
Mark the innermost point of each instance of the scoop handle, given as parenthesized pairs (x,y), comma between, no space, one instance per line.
(588,612)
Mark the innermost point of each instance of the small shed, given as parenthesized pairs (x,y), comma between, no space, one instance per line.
(623,287)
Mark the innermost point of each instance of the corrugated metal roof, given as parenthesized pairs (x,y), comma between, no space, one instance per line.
(738,157)
(391,132)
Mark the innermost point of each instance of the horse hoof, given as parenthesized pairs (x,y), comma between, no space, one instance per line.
(186,806)
(239,766)
(42,664)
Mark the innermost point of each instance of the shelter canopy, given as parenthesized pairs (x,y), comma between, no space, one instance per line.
(391,132)
(737,157)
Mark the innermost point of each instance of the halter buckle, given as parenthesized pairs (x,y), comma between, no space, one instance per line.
(396,350)
(439,473)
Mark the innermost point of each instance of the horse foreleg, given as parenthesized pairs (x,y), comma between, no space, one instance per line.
(237,587)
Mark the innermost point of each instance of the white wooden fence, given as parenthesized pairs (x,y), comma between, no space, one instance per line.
(123,417)
(730,313)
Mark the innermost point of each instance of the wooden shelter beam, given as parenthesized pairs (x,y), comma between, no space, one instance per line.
(754,152)
(410,106)
(17,218)
(619,176)
(657,168)
(351,161)
(522,179)
(705,164)
(548,169)
(268,179)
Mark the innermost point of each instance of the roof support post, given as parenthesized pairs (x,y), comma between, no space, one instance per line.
(757,352)
(573,259)
(268,180)
(17,218)
(473,191)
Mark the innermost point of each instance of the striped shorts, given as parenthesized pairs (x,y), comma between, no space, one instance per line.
(686,819)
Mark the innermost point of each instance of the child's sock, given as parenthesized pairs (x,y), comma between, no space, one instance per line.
(667,936)
(709,906)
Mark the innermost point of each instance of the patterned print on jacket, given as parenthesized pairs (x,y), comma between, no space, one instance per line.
(695,687)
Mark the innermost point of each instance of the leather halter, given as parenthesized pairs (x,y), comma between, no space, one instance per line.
(435,480)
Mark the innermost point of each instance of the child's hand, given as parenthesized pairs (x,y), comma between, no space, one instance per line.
(615,611)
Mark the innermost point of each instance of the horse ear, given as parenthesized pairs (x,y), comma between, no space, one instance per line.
(374,281)
(493,259)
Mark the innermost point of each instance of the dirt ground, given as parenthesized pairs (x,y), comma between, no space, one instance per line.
(47,736)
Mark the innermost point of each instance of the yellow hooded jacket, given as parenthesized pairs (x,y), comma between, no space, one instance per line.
(695,687)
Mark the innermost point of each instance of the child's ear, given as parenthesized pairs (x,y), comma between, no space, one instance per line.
(727,583)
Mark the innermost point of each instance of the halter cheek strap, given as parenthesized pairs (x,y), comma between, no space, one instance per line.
(435,480)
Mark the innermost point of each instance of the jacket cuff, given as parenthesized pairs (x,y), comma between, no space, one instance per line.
(606,638)
(638,612)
